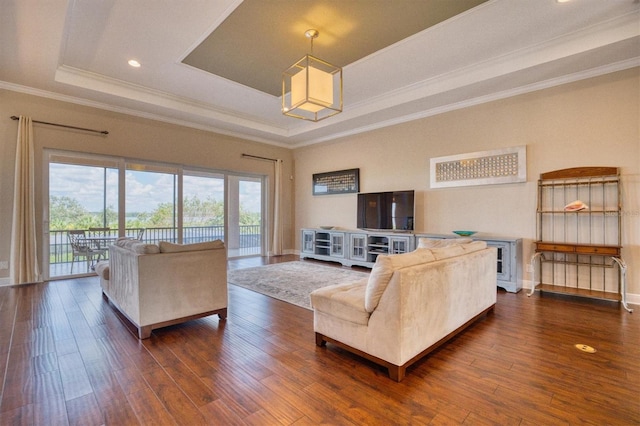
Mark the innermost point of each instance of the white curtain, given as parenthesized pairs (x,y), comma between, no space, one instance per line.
(24,266)
(276,248)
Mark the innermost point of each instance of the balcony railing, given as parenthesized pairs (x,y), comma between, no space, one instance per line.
(250,238)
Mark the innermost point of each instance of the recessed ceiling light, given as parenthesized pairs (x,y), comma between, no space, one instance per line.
(562,1)
(134,63)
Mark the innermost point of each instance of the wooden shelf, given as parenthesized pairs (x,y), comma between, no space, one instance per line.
(580,292)
(583,249)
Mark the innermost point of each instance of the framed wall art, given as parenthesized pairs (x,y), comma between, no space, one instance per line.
(506,165)
(338,182)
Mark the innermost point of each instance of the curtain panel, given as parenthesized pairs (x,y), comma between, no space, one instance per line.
(276,249)
(24,266)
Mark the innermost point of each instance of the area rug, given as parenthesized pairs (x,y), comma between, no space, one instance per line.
(292,282)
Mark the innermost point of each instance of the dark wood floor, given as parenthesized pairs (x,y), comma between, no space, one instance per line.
(65,358)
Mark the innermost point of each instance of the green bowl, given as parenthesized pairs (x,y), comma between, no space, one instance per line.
(465,233)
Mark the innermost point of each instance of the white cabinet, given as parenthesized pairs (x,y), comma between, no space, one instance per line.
(358,245)
(509,263)
(398,245)
(329,243)
(509,259)
(308,241)
(336,244)
(352,247)
(362,248)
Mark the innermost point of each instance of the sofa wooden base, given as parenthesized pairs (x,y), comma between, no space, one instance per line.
(397,372)
(144,332)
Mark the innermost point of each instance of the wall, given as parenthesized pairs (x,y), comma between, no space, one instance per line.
(129,137)
(592,122)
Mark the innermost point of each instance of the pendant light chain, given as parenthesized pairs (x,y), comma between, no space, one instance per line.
(311,34)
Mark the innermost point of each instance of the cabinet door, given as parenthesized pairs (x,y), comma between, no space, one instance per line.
(308,241)
(358,247)
(337,245)
(504,259)
(398,245)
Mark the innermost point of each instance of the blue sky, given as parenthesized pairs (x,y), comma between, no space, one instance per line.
(144,190)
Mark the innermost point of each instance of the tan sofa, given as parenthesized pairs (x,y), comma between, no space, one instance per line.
(154,286)
(410,304)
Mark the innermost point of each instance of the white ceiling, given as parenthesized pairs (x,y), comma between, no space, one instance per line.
(77,51)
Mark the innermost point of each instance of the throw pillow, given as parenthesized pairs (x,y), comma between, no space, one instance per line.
(384,268)
(137,246)
(102,269)
(167,247)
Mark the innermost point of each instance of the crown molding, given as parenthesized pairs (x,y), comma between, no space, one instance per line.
(609,32)
(103,84)
(534,87)
(617,29)
(134,112)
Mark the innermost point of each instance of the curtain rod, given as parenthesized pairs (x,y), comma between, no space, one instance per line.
(259,158)
(103,132)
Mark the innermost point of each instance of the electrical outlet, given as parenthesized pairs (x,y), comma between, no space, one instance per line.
(4,264)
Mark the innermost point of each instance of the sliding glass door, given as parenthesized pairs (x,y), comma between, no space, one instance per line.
(245,222)
(151,202)
(111,197)
(203,207)
(83,195)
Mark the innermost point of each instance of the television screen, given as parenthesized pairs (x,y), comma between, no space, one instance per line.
(393,210)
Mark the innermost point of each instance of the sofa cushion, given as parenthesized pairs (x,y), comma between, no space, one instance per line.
(441,242)
(344,301)
(137,246)
(442,253)
(447,252)
(102,269)
(383,270)
(167,247)
(474,246)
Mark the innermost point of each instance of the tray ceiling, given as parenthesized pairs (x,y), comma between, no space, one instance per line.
(260,39)
(402,60)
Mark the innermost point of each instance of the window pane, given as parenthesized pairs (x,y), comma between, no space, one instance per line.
(203,208)
(150,204)
(80,197)
(245,222)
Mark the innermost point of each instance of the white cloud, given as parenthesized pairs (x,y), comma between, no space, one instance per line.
(144,190)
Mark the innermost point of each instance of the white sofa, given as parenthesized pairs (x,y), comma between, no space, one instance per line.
(154,286)
(410,304)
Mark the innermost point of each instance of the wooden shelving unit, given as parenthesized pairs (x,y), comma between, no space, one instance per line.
(579,250)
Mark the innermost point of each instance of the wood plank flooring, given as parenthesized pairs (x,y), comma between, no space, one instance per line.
(66,358)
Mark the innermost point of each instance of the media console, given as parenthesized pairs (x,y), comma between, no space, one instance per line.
(361,248)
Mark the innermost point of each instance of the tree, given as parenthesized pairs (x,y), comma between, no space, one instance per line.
(67,213)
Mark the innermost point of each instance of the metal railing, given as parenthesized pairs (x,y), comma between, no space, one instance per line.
(250,237)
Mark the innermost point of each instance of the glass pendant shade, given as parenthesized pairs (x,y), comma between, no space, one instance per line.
(312,89)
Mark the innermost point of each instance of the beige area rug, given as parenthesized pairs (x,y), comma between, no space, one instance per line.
(294,281)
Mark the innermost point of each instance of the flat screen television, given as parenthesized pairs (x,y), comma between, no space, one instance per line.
(392,210)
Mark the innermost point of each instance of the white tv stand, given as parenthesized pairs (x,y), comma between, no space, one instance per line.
(361,248)
(353,247)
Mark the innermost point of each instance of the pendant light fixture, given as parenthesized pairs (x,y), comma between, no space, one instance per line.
(312,88)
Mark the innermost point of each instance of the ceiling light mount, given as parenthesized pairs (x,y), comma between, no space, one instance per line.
(312,88)
(311,33)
